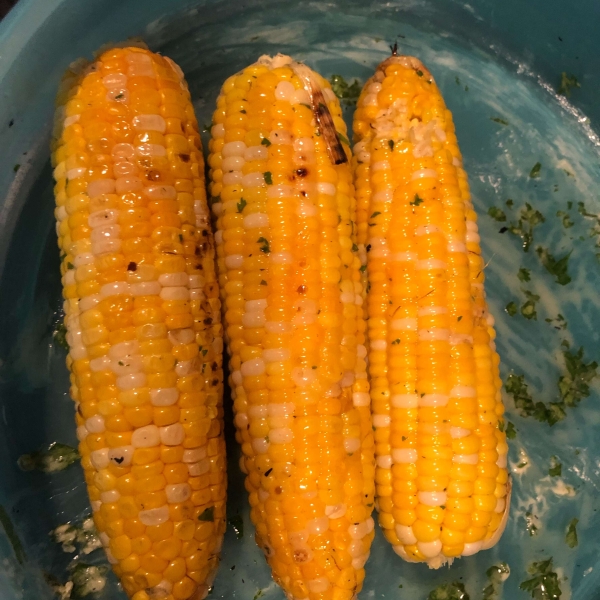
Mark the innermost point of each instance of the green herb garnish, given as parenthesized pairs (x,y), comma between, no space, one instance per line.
(348,94)
(265,142)
(241,205)
(56,457)
(449,591)
(571,536)
(208,514)
(268,177)
(558,268)
(566,219)
(555,469)
(417,200)
(535,170)
(499,120)
(567,83)
(511,432)
(497,575)
(544,583)
(528,309)
(511,309)
(524,274)
(496,213)
(266,248)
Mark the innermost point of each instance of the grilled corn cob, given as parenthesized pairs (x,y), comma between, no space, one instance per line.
(284,203)
(441,477)
(142,315)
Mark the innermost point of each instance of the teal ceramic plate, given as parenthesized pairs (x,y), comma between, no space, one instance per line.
(533,162)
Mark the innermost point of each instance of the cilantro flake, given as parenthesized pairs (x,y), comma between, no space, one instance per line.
(268,177)
(208,514)
(544,583)
(571,536)
(499,120)
(348,94)
(567,83)
(555,469)
(418,200)
(511,432)
(535,170)
(524,274)
(496,213)
(266,248)
(558,268)
(241,205)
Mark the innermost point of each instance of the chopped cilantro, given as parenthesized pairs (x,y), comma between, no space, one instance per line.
(363,268)
(417,200)
(574,385)
(266,248)
(376,213)
(60,336)
(535,170)
(496,213)
(419,73)
(16,167)
(558,268)
(396,342)
(524,274)
(208,514)
(449,591)
(243,111)
(511,309)
(529,218)
(343,138)
(497,575)
(511,432)
(457,80)
(56,457)
(567,222)
(268,177)
(263,282)
(509,203)
(348,94)
(567,83)
(241,205)
(571,536)
(515,386)
(259,594)
(70,266)
(265,142)
(499,120)
(544,583)
(555,469)
(530,520)
(354,248)
(391,145)
(237,524)
(528,309)
(559,322)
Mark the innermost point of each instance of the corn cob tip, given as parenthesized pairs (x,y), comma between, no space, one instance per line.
(405,61)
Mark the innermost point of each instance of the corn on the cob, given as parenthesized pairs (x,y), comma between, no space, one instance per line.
(143,320)
(441,474)
(284,203)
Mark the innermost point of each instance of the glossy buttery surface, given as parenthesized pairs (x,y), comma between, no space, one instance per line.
(498,160)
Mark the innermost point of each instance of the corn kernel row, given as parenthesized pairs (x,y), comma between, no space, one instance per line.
(289,274)
(441,471)
(143,319)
